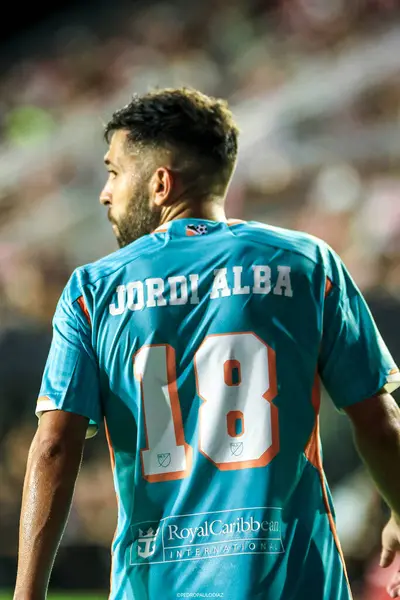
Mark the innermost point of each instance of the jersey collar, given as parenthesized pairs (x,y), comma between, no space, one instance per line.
(193,227)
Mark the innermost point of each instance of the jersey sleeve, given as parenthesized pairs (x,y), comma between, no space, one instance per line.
(354,362)
(71,380)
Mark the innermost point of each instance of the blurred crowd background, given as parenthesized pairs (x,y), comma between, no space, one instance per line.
(315,87)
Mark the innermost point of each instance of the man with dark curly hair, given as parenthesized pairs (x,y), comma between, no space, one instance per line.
(201,344)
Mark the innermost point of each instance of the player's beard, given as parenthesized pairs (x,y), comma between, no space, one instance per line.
(139,219)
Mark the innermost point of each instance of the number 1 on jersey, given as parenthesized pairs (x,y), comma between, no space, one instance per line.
(166,456)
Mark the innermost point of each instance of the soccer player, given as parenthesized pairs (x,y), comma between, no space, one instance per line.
(201,344)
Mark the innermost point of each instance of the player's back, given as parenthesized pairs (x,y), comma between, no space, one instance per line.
(207,338)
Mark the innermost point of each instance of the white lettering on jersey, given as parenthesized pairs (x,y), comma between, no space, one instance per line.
(176,283)
(262,279)
(155,289)
(238,288)
(119,307)
(283,282)
(135,295)
(179,289)
(220,285)
(194,284)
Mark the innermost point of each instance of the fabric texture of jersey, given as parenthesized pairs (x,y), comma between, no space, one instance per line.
(202,346)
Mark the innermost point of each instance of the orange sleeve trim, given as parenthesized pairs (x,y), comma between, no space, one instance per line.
(328,287)
(84,309)
(112,459)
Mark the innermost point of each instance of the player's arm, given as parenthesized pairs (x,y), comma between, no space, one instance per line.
(376,426)
(53,464)
(69,408)
(359,375)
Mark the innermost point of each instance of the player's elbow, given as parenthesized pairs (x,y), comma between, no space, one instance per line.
(52,449)
(377,419)
(60,435)
(386,433)
(54,462)
(49,449)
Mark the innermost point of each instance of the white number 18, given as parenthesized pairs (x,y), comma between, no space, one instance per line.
(238,424)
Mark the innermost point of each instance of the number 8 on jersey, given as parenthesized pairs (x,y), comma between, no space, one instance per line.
(236,379)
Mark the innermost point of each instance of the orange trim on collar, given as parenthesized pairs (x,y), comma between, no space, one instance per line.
(231,222)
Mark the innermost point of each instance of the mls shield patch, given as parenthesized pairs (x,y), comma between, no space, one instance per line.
(164,460)
(236,448)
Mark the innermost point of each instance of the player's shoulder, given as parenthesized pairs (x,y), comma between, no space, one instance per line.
(91,273)
(290,240)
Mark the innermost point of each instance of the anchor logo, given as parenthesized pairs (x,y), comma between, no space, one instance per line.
(146,542)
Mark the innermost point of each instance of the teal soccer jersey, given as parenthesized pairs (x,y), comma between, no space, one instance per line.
(202,347)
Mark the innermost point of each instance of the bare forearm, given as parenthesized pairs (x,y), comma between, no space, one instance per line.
(48,490)
(380,451)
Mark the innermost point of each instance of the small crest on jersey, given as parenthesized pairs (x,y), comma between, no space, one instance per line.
(236,448)
(164,460)
(196,229)
(146,542)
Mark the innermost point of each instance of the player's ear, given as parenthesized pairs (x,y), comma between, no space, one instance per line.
(161,185)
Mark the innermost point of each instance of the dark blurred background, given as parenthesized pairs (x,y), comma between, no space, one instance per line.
(315,87)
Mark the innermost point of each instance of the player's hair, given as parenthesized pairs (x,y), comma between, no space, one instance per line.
(198,131)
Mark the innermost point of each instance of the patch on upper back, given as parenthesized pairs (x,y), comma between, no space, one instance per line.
(196,229)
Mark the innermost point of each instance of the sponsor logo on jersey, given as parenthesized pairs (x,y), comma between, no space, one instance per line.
(207,535)
(147,543)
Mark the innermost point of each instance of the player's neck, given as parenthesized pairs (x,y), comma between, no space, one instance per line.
(211,211)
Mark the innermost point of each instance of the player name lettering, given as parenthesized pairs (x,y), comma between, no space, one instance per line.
(179,289)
